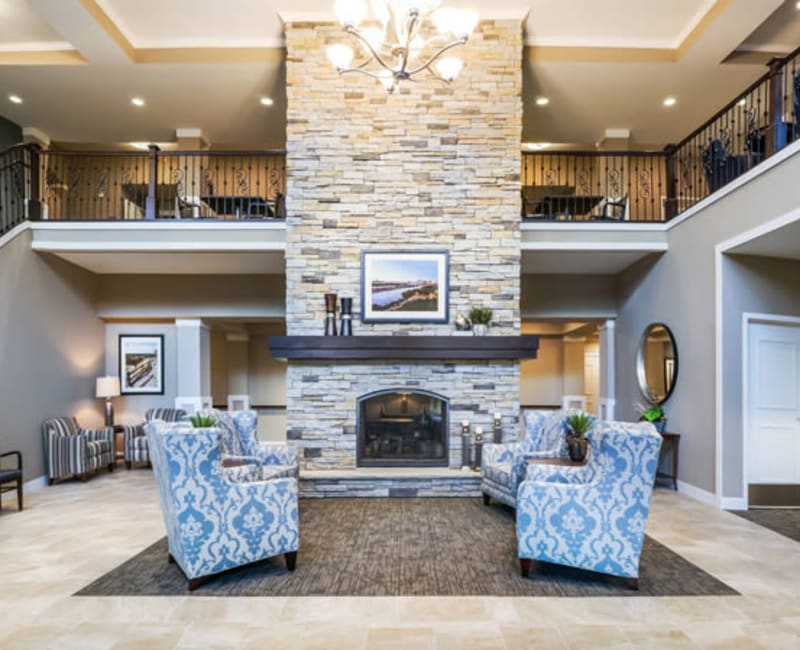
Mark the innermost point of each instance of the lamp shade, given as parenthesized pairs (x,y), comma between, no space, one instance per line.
(107,387)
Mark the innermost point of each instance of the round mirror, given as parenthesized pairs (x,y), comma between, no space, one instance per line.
(657,363)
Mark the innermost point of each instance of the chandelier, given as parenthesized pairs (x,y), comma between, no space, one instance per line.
(405,38)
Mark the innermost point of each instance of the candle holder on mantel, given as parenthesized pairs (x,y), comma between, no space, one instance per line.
(465,444)
(479,440)
(498,428)
(330,314)
(347,317)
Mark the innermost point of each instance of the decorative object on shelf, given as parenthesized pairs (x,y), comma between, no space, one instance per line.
(404,286)
(412,37)
(462,323)
(497,425)
(106,388)
(579,424)
(653,414)
(202,420)
(141,364)
(330,314)
(657,363)
(465,444)
(347,317)
(479,440)
(480,318)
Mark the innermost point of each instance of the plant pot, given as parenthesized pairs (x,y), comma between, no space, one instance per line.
(577,448)
(479,329)
(660,425)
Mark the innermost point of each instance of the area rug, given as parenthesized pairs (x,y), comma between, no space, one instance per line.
(784,521)
(406,547)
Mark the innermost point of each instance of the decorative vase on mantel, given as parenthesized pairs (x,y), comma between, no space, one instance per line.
(480,329)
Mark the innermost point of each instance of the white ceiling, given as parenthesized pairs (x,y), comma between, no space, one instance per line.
(783,242)
(91,103)
(21,29)
(779,34)
(168,263)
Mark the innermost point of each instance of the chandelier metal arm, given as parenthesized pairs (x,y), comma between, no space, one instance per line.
(432,60)
(409,32)
(354,32)
(361,69)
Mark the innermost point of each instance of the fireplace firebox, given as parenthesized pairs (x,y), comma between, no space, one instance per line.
(402,428)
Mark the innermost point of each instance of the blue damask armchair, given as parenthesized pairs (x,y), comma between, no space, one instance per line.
(240,442)
(214,523)
(503,465)
(592,517)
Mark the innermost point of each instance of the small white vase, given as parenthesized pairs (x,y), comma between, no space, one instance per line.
(479,329)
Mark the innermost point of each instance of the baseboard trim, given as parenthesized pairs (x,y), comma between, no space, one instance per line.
(698,494)
(35,484)
(733,503)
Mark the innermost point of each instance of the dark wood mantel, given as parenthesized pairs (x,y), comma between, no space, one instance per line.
(405,347)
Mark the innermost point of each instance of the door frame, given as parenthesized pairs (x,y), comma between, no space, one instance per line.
(748,319)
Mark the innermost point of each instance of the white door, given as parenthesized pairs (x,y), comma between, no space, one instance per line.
(773,386)
(591,380)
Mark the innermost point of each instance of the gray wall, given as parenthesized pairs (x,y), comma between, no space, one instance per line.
(191,296)
(130,409)
(10,133)
(569,296)
(756,285)
(679,289)
(51,346)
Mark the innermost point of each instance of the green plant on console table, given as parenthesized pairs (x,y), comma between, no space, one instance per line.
(480,316)
(202,421)
(653,413)
(579,424)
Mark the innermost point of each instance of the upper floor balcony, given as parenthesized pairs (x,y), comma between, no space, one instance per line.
(556,185)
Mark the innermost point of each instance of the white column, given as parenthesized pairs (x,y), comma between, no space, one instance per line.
(194,364)
(607,400)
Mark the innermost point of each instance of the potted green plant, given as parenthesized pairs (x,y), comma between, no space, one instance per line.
(202,420)
(654,414)
(480,317)
(578,425)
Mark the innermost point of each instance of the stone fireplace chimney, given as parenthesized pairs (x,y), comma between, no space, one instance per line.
(430,167)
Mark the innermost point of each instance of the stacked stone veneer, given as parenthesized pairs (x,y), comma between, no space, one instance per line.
(431,167)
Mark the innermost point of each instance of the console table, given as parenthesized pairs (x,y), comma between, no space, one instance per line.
(673,440)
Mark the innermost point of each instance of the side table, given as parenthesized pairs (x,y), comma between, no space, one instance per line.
(673,441)
(119,443)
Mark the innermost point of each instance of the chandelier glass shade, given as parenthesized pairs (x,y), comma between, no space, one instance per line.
(401,39)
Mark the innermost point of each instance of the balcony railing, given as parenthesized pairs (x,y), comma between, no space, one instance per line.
(162,185)
(17,178)
(657,186)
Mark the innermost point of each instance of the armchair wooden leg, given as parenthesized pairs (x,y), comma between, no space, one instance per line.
(128,464)
(291,560)
(632,584)
(84,478)
(50,482)
(111,467)
(486,499)
(170,559)
(19,493)
(194,583)
(524,566)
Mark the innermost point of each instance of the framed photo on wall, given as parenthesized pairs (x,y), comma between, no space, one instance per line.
(141,364)
(405,286)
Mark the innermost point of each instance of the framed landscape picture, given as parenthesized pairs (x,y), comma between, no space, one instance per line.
(141,364)
(404,286)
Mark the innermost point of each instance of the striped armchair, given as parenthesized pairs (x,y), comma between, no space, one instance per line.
(73,451)
(135,440)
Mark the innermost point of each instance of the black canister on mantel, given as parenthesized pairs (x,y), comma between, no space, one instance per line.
(347,317)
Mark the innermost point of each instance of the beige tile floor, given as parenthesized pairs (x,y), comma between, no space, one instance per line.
(72,533)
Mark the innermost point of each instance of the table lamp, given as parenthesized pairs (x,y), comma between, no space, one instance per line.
(108,387)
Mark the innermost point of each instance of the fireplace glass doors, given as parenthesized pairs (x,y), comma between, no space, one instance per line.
(402,428)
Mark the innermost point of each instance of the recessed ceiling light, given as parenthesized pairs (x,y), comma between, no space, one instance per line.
(140,145)
(542,101)
(137,101)
(797,6)
(536,146)
(741,102)
(670,101)
(15,99)
(266,101)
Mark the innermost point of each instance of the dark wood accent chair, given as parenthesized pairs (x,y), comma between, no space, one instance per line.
(14,476)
